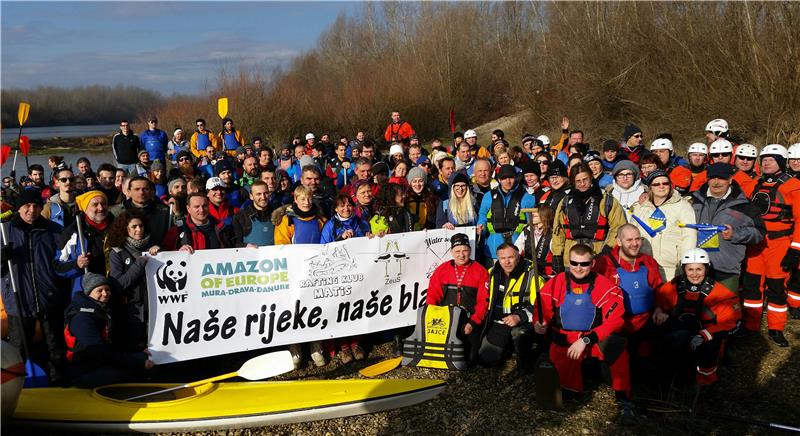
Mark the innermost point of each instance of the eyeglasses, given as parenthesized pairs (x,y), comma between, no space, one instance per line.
(720,155)
(624,174)
(576,263)
(658,185)
(747,158)
(66,179)
(183,159)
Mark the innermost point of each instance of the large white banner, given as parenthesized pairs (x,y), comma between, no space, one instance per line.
(224,301)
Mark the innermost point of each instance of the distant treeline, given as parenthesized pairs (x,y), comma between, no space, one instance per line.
(667,66)
(52,106)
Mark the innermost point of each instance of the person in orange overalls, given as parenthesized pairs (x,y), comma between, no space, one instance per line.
(697,313)
(697,155)
(777,196)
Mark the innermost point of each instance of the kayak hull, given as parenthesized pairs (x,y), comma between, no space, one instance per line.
(217,407)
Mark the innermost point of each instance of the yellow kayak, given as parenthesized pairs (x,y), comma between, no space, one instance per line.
(214,406)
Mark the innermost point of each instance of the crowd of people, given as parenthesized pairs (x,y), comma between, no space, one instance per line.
(609,251)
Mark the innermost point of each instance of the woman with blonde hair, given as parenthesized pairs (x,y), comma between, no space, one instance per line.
(459,210)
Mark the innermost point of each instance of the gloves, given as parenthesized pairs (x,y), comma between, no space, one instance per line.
(558,264)
(791,260)
(696,342)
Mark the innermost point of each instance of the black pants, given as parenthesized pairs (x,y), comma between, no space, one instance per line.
(499,336)
(50,354)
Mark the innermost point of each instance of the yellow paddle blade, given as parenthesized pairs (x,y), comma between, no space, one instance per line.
(23,112)
(222,107)
(381,367)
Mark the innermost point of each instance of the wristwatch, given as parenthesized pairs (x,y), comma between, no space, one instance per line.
(586,340)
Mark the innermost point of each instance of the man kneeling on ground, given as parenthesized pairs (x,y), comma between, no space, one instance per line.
(512,293)
(584,312)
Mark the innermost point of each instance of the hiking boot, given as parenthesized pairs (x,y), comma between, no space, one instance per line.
(346,355)
(741,332)
(794,312)
(358,352)
(296,356)
(397,345)
(778,338)
(317,354)
(626,415)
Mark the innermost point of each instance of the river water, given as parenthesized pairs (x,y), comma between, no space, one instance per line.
(96,156)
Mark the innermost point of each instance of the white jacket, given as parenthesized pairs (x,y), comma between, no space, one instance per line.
(627,197)
(668,246)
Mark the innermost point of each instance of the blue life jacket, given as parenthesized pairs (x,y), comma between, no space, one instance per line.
(231,143)
(203,141)
(262,233)
(305,232)
(639,296)
(577,311)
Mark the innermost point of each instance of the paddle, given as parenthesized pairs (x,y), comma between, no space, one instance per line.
(222,107)
(380,367)
(22,116)
(545,375)
(257,368)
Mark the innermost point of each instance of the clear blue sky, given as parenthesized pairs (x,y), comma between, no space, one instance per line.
(166,46)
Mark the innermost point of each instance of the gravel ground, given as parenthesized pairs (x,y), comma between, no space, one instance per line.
(495,400)
(759,381)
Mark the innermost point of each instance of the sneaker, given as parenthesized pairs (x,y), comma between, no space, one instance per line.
(794,312)
(296,357)
(346,355)
(626,415)
(778,338)
(358,352)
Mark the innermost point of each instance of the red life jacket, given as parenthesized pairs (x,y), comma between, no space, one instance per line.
(592,225)
(73,346)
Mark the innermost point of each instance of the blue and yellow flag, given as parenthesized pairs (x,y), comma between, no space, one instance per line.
(707,235)
(656,223)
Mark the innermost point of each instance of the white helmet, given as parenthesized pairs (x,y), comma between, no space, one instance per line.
(721,146)
(747,150)
(698,147)
(717,126)
(310,136)
(661,144)
(695,255)
(774,149)
(794,151)
(545,140)
(470,134)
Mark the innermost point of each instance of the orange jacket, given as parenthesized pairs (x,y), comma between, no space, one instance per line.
(721,309)
(396,132)
(698,180)
(747,183)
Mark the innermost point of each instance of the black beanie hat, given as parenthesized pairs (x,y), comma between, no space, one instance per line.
(459,239)
(29,195)
(557,168)
(611,145)
(531,167)
(630,130)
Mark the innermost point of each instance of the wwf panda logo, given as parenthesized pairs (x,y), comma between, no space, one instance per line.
(172,276)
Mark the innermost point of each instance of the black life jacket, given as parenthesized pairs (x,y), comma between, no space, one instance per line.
(592,225)
(689,308)
(770,202)
(506,218)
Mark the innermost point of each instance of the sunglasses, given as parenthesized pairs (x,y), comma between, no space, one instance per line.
(200,125)
(746,158)
(66,179)
(183,159)
(720,155)
(576,263)
(637,136)
(658,185)
(543,162)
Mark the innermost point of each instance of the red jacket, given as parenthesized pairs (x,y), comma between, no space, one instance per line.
(606,296)
(396,132)
(473,294)
(721,307)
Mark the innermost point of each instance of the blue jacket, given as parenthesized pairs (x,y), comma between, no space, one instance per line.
(155,142)
(31,250)
(605,180)
(334,228)
(493,240)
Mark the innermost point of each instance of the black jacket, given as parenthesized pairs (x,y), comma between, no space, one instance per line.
(126,148)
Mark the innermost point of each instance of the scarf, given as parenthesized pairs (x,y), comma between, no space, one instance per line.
(138,244)
(310,213)
(98,226)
